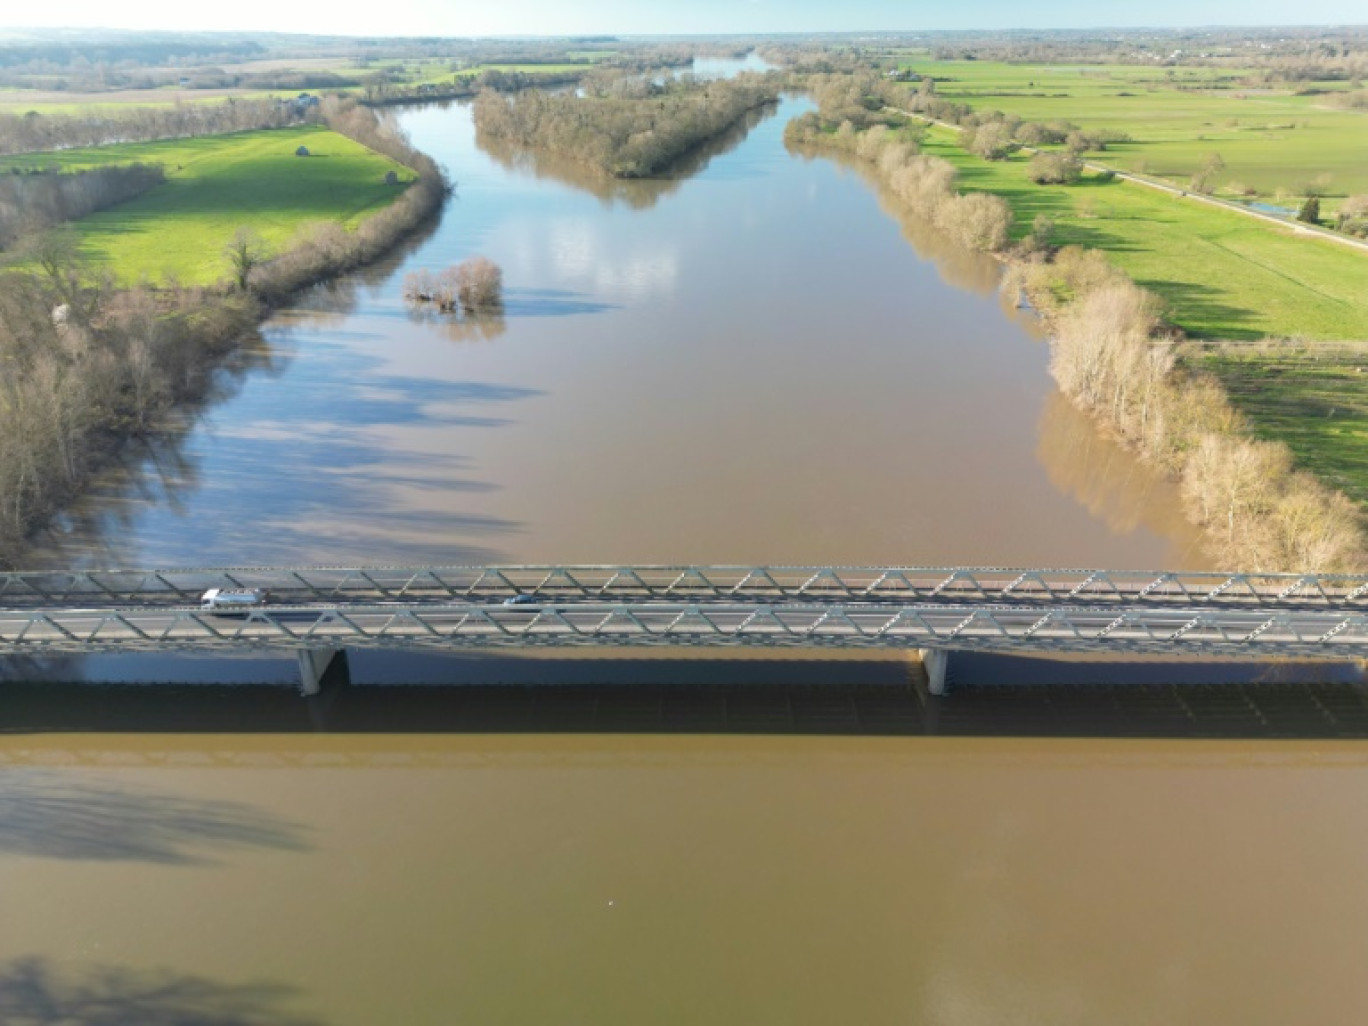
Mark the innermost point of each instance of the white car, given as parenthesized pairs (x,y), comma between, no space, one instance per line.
(232,600)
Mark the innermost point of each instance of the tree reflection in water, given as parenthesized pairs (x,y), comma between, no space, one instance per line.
(1111,483)
(35,992)
(635,193)
(45,814)
(958,265)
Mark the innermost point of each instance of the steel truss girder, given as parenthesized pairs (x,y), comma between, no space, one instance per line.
(1249,633)
(427,585)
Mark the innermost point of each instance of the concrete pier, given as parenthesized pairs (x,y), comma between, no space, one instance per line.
(313,664)
(935,661)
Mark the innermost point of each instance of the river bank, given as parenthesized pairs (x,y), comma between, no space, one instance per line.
(572,429)
(95,366)
(1113,356)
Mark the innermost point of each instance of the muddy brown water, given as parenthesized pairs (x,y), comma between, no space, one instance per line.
(753,363)
(756,363)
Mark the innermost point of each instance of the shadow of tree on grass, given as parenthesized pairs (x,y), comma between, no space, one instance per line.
(35,993)
(51,815)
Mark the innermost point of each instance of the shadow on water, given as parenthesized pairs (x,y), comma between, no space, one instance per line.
(990,695)
(37,992)
(159,469)
(634,193)
(47,815)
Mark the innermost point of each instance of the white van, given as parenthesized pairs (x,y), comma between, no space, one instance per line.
(226,600)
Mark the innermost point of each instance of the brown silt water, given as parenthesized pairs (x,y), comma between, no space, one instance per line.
(751,362)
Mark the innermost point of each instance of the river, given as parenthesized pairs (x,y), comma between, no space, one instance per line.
(753,362)
(749,364)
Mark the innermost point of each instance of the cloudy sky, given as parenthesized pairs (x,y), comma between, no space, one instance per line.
(576,17)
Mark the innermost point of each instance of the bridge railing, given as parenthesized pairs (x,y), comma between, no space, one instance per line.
(1323,633)
(410,584)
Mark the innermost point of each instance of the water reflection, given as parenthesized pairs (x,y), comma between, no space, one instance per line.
(470,328)
(156,471)
(1114,485)
(634,193)
(49,815)
(42,992)
(959,266)
(991,695)
(760,370)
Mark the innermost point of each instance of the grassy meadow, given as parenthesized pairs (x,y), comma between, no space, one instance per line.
(1313,398)
(1222,274)
(216,184)
(1272,141)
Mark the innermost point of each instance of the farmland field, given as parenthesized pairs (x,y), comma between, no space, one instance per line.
(1313,398)
(1272,141)
(216,184)
(1222,274)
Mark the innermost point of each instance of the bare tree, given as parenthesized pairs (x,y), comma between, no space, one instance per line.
(479,284)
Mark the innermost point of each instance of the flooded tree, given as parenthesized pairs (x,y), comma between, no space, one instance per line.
(479,285)
(474,286)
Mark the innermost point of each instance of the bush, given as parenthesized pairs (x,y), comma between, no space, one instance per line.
(1054,169)
(479,285)
(474,285)
(1310,210)
(991,141)
(1352,216)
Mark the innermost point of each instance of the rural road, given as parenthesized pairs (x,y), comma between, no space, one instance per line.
(1297,227)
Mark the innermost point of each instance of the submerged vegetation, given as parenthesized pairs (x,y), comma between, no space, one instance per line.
(629,127)
(474,286)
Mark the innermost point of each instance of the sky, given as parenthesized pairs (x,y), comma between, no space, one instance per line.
(651,17)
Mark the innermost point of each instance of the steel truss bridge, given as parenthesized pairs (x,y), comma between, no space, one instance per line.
(317,611)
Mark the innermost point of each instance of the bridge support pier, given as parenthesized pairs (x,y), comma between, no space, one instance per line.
(935,661)
(313,664)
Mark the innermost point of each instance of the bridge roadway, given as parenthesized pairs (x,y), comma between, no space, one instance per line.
(319,611)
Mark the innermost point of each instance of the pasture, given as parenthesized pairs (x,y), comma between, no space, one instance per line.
(1314,398)
(217,184)
(1221,274)
(1276,143)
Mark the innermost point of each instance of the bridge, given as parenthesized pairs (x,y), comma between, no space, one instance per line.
(320,611)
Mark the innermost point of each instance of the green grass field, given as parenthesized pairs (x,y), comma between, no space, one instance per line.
(1226,276)
(217,184)
(1222,274)
(1314,399)
(1272,141)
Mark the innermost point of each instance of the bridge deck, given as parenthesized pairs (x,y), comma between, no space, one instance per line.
(414,585)
(939,608)
(1317,634)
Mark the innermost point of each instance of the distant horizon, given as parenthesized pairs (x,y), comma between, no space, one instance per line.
(756,33)
(533,19)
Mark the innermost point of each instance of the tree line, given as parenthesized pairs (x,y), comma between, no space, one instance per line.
(1114,357)
(33,201)
(41,133)
(628,127)
(89,366)
(922,185)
